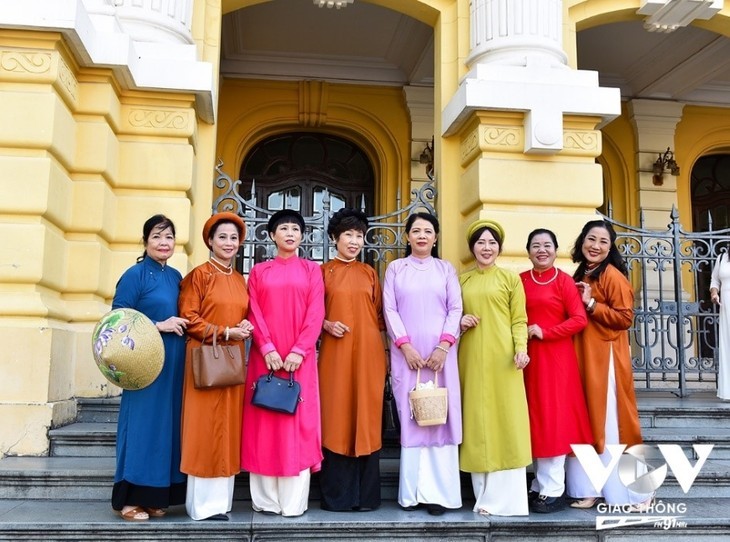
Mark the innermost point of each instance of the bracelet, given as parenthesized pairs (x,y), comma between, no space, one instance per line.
(591,305)
(227,331)
(439,347)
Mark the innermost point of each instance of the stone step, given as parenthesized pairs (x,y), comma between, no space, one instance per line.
(704,519)
(103,410)
(98,439)
(686,437)
(698,411)
(91,478)
(84,439)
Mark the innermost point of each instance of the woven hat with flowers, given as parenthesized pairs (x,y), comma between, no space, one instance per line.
(128,349)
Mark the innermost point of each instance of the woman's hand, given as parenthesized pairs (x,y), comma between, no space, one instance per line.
(436,360)
(273,361)
(336,329)
(534,331)
(174,324)
(413,358)
(715,296)
(468,321)
(521,360)
(292,362)
(585,290)
(241,332)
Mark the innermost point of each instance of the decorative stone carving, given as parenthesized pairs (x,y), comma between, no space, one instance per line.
(31,62)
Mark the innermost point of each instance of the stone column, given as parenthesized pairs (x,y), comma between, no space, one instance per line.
(655,122)
(420,107)
(527,124)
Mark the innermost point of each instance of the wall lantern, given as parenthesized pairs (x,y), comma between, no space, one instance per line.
(665,162)
(426,157)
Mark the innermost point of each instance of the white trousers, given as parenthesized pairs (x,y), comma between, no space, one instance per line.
(614,491)
(549,476)
(501,493)
(430,475)
(207,497)
(285,495)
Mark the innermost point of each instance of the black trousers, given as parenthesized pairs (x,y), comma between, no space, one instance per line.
(350,483)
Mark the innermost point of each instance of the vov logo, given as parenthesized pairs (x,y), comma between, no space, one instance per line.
(635,470)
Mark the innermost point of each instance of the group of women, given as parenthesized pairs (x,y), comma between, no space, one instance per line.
(501,344)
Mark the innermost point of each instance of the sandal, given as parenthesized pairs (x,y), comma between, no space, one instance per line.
(155,512)
(135,514)
(585,503)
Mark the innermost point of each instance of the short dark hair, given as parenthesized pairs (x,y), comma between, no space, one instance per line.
(347,219)
(285,216)
(541,231)
(429,218)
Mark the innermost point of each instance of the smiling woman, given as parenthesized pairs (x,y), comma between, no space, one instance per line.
(214,298)
(287,310)
(492,354)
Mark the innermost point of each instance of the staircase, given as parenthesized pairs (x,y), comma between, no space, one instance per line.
(65,496)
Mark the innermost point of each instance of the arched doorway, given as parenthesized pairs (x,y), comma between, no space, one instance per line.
(710,192)
(307,171)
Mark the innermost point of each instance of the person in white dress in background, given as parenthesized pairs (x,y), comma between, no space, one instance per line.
(720,290)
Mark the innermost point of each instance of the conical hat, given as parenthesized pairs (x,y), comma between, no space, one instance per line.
(128,349)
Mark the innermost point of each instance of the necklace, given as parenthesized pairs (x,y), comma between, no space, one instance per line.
(590,270)
(344,260)
(532,274)
(227,269)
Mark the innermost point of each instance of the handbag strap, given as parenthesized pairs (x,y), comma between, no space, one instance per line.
(291,378)
(435,378)
(215,340)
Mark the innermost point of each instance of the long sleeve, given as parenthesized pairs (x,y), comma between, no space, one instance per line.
(377,299)
(518,315)
(129,289)
(261,334)
(192,292)
(393,322)
(314,316)
(616,310)
(454,307)
(715,281)
(576,320)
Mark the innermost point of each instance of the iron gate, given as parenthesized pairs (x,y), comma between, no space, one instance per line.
(384,240)
(674,335)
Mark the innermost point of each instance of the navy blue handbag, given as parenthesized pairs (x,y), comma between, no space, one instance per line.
(276,393)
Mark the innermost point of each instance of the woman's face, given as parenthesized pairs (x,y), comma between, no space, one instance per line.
(486,250)
(349,244)
(160,244)
(422,237)
(596,245)
(542,251)
(288,237)
(224,243)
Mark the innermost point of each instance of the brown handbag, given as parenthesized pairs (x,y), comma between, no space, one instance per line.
(217,365)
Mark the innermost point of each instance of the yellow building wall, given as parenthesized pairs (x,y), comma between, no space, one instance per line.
(702,131)
(82,165)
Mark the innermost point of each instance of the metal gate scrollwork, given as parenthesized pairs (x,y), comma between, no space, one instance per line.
(384,240)
(674,335)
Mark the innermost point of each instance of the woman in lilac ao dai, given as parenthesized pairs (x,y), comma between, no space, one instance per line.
(422,309)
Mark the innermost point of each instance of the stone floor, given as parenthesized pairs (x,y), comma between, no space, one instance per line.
(702,520)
